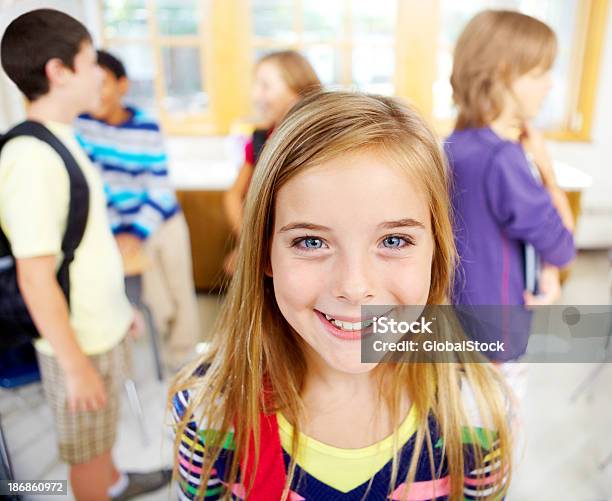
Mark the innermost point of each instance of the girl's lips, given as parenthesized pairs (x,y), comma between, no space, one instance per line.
(342,334)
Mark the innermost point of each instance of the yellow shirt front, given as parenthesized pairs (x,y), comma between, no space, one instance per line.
(344,469)
(34,198)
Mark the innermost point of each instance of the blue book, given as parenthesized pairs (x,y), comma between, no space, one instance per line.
(532,269)
(532,260)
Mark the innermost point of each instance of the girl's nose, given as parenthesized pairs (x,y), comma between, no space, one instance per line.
(353,279)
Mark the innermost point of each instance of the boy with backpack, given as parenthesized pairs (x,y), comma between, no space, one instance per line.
(62,261)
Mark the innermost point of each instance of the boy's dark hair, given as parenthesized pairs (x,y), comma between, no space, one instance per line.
(107,61)
(34,38)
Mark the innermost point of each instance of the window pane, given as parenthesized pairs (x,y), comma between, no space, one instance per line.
(326,62)
(562,19)
(374,22)
(372,27)
(178,17)
(183,78)
(373,63)
(260,52)
(322,20)
(273,19)
(125,18)
(138,61)
(374,68)
(561,16)
(454,17)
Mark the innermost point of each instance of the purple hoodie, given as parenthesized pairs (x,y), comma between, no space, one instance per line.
(498,207)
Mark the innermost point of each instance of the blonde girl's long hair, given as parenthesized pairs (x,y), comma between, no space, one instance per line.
(495,48)
(253,342)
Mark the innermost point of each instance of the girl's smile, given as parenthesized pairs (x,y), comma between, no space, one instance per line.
(347,328)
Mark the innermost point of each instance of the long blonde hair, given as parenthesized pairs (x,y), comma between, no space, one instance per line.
(495,48)
(254,343)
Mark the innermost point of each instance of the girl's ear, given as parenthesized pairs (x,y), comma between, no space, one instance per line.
(503,70)
(268,268)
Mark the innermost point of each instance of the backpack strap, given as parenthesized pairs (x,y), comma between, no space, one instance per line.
(259,139)
(78,209)
(269,476)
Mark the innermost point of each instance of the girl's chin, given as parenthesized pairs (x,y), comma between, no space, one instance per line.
(338,355)
(351,366)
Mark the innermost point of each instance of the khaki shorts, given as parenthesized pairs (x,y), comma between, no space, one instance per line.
(84,435)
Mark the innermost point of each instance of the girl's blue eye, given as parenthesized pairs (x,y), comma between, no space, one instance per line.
(393,242)
(396,242)
(309,243)
(313,243)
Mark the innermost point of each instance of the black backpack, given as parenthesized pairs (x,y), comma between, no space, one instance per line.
(16,325)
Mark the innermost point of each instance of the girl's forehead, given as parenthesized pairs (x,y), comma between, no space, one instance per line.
(366,171)
(365,184)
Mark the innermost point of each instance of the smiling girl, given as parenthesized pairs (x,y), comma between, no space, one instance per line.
(351,209)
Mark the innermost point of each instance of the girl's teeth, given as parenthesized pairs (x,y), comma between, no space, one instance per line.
(349,326)
(345,326)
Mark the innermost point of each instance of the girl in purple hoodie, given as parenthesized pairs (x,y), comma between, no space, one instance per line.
(505,195)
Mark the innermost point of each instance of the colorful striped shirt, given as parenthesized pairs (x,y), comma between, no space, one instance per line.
(133,164)
(334,474)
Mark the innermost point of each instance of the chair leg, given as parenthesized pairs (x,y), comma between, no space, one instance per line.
(588,381)
(594,374)
(136,406)
(5,457)
(133,288)
(154,336)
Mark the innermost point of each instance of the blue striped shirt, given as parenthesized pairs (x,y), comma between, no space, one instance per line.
(134,167)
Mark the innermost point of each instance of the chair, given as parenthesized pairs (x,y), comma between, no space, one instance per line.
(18,368)
(134,266)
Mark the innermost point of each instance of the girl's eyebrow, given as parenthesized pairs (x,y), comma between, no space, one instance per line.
(400,223)
(406,222)
(303,226)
